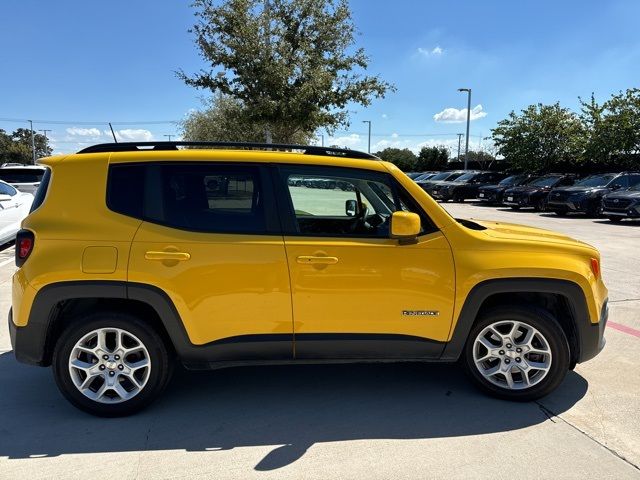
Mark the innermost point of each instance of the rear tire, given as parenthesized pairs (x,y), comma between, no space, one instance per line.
(517,367)
(111,364)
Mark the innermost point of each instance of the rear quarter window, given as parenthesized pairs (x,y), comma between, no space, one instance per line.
(125,189)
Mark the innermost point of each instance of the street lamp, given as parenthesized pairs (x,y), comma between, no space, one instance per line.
(369,143)
(466,148)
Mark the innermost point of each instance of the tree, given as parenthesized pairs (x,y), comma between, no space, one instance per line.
(432,158)
(483,159)
(288,63)
(222,120)
(17,146)
(613,130)
(404,158)
(541,138)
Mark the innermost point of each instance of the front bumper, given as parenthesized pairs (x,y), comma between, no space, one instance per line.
(489,197)
(578,205)
(632,211)
(591,336)
(516,201)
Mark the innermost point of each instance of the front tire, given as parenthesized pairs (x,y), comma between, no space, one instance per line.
(517,354)
(614,219)
(111,364)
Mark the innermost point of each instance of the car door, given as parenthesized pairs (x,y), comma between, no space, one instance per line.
(211,241)
(356,292)
(9,212)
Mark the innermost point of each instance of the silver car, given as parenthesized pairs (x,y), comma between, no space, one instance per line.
(25,178)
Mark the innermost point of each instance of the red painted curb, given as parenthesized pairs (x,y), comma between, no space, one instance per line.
(624,328)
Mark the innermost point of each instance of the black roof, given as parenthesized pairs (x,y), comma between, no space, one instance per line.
(307,149)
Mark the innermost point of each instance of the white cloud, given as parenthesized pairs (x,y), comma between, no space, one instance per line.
(434,52)
(385,116)
(131,135)
(455,115)
(83,132)
(348,141)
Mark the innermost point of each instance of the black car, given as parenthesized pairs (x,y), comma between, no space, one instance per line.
(534,194)
(622,204)
(437,179)
(493,194)
(586,195)
(465,186)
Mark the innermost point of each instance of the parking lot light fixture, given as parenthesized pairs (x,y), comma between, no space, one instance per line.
(466,147)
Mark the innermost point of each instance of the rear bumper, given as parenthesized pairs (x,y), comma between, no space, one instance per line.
(591,336)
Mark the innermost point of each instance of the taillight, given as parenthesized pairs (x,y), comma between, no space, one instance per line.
(595,267)
(24,246)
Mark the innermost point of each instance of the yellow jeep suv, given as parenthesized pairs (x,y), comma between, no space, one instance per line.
(136,255)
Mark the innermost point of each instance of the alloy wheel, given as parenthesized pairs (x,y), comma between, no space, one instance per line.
(512,355)
(109,365)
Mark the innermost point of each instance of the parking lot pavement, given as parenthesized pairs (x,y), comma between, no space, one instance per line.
(349,421)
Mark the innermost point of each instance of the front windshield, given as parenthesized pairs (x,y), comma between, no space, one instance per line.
(466,177)
(423,176)
(512,180)
(595,181)
(440,176)
(544,182)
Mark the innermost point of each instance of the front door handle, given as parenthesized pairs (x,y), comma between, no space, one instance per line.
(179,256)
(317,260)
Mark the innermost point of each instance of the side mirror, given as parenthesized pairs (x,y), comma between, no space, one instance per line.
(405,226)
(5,198)
(351,208)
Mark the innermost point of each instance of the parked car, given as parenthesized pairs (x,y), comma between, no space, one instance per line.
(465,186)
(425,176)
(439,178)
(534,194)
(14,207)
(25,178)
(622,204)
(493,194)
(414,175)
(585,196)
(136,266)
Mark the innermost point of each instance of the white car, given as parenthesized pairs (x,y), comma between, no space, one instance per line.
(25,178)
(14,206)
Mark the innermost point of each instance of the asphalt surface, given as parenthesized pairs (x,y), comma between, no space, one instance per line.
(351,421)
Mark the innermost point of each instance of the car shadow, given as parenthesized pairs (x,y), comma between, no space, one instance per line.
(7,245)
(289,407)
(627,223)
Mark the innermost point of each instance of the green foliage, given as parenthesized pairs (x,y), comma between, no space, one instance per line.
(483,159)
(541,138)
(290,64)
(17,146)
(222,120)
(432,158)
(613,128)
(404,158)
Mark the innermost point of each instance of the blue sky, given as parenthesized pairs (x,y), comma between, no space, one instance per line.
(83,63)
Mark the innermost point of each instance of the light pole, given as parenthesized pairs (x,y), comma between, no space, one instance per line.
(168,136)
(466,148)
(459,138)
(33,143)
(321,139)
(45,132)
(369,142)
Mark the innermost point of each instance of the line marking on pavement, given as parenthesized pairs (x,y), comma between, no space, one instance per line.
(624,328)
(6,262)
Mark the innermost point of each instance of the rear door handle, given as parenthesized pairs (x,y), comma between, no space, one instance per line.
(317,260)
(179,256)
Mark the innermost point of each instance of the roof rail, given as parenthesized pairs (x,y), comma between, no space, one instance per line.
(308,149)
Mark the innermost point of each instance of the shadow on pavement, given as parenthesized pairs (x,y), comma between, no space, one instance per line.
(290,407)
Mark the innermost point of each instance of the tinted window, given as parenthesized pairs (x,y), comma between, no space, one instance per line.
(634,181)
(441,176)
(352,203)
(41,193)
(7,189)
(512,180)
(207,198)
(21,175)
(545,181)
(125,189)
(595,181)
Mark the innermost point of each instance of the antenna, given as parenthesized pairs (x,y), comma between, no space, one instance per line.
(113,133)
